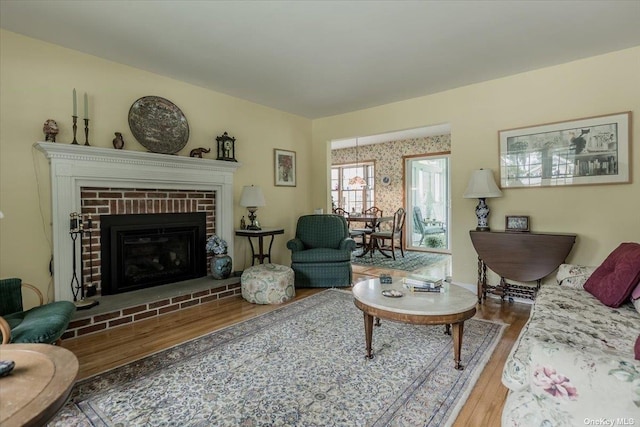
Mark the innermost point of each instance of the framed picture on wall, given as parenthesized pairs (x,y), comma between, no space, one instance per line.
(516,223)
(593,150)
(284,168)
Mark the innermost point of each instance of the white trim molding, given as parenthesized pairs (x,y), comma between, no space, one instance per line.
(76,166)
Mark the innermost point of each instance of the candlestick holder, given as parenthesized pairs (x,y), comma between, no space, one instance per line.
(86,132)
(75,129)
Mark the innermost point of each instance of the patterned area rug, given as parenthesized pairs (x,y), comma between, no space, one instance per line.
(300,365)
(411,261)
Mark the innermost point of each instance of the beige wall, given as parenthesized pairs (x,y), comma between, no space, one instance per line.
(36,82)
(602,216)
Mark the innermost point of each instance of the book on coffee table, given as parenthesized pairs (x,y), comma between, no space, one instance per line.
(422,282)
(438,289)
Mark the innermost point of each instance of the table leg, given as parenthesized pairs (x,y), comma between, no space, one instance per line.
(373,245)
(366,247)
(504,288)
(447,329)
(253,253)
(458,329)
(261,256)
(368,333)
(270,245)
(482,280)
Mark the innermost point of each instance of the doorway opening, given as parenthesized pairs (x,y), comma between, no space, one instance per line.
(427,189)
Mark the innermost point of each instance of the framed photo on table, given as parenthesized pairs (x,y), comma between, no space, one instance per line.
(592,150)
(284,168)
(516,223)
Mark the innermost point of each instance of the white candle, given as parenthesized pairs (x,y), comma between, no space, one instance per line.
(75,103)
(86,106)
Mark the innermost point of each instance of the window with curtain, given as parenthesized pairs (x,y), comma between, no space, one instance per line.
(352,186)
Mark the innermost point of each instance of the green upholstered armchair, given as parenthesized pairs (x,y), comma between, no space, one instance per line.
(43,324)
(321,251)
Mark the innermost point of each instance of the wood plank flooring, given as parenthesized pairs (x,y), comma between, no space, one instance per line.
(103,351)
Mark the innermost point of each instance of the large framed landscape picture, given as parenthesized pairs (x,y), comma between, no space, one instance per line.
(593,150)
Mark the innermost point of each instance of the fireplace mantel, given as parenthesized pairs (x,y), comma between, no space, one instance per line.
(76,166)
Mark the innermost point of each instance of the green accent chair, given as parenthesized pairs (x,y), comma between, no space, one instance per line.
(44,324)
(321,252)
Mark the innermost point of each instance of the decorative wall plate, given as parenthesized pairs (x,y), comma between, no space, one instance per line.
(158,124)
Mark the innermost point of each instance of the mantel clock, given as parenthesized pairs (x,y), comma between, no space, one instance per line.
(226,148)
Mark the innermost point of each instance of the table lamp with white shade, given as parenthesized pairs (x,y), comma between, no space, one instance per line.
(482,186)
(252,198)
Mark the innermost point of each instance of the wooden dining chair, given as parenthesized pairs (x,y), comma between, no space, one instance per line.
(370,227)
(353,233)
(372,211)
(385,240)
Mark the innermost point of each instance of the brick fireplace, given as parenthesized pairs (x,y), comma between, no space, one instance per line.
(113,202)
(100,181)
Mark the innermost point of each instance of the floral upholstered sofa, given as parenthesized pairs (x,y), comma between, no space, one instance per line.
(577,359)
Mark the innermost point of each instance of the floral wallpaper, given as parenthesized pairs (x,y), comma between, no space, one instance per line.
(388,162)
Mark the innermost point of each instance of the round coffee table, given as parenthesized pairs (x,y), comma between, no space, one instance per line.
(39,384)
(420,308)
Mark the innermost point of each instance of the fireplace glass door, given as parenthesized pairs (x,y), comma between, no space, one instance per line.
(151,249)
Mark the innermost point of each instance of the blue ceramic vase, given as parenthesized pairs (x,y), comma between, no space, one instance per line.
(221,266)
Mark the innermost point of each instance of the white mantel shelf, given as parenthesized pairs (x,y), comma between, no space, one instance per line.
(76,166)
(83,152)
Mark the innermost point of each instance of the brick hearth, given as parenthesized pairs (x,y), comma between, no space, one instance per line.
(122,309)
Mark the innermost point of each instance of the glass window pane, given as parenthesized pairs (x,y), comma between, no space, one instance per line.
(347,186)
(427,203)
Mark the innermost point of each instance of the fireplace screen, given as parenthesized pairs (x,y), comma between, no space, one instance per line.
(151,249)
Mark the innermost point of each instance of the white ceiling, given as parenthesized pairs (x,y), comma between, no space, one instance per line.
(321,58)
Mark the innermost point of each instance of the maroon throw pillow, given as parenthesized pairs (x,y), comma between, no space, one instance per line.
(613,282)
(635,294)
(636,349)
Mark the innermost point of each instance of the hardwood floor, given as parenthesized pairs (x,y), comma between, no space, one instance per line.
(103,351)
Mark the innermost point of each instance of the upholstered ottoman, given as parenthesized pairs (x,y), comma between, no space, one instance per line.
(267,284)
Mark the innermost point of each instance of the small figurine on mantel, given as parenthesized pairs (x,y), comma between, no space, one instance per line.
(50,130)
(197,152)
(118,141)
(243,223)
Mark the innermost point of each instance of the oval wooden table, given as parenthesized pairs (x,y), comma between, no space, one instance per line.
(39,384)
(420,308)
(520,256)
